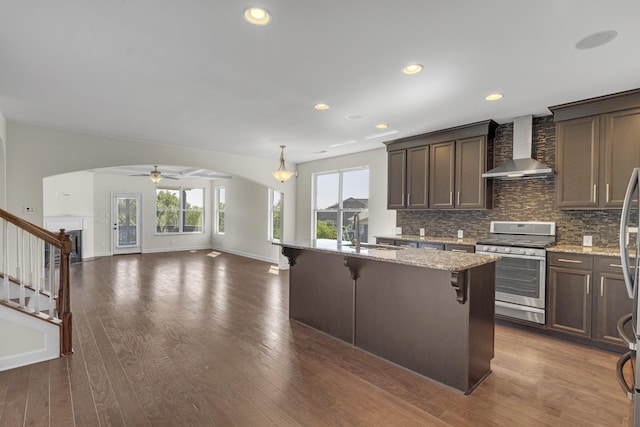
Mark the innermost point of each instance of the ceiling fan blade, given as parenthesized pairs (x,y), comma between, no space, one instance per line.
(140,174)
(169,177)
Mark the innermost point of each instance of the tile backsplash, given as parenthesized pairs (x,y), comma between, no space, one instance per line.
(520,200)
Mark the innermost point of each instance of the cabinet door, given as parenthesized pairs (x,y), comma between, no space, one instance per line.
(612,302)
(577,151)
(471,163)
(417,177)
(570,300)
(396,179)
(621,154)
(441,175)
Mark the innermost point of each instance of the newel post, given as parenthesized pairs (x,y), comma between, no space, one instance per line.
(64,293)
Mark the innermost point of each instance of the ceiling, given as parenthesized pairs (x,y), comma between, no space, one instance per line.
(172,171)
(195,73)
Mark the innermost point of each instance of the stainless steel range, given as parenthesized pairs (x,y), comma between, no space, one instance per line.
(520,274)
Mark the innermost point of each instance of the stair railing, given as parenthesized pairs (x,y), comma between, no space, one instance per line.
(35,272)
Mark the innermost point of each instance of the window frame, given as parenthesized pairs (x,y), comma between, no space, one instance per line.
(181,210)
(340,210)
(270,215)
(216,209)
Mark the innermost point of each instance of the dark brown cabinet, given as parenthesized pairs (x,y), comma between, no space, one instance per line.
(407,182)
(396,179)
(570,300)
(472,191)
(455,247)
(441,175)
(611,302)
(597,147)
(442,170)
(587,296)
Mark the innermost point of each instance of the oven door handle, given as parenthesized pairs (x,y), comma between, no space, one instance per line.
(538,258)
(629,391)
(631,342)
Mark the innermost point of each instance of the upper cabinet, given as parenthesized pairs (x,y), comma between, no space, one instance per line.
(597,147)
(443,169)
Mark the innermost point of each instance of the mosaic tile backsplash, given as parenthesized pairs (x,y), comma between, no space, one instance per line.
(520,200)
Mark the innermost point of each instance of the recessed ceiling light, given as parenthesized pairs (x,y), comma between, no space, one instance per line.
(382,126)
(321,106)
(412,69)
(257,15)
(596,40)
(493,97)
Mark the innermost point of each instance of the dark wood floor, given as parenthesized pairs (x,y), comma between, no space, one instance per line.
(190,339)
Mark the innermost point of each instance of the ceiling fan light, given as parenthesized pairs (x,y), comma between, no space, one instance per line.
(282,174)
(155,177)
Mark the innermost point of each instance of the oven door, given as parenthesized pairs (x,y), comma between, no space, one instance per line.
(520,285)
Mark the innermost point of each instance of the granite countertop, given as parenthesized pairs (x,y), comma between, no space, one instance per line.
(439,260)
(585,250)
(430,239)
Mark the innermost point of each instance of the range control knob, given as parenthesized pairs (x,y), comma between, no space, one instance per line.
(485,248)
(492,249)
(521,251)
(530,252)
(507,250)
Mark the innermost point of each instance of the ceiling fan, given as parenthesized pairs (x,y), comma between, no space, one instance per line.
(155,175)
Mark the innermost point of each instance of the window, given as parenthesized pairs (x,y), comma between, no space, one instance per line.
(275,215)
(219,210)
(179,210)
(337,197)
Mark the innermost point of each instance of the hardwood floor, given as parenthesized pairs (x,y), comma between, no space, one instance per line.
(195,338)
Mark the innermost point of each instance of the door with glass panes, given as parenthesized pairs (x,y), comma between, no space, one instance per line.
(125,221)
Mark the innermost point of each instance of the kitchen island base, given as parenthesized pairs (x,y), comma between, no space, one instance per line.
(435,322)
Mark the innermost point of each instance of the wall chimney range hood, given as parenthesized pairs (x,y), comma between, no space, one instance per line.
(522,165)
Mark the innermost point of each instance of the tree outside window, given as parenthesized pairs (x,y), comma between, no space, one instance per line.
(275,215)
(338,196)
(179,210)
(219,209)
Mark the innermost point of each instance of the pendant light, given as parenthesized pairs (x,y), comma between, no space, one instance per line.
(282,174)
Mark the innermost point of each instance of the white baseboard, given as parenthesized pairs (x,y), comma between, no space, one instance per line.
(175,249)
(247,255)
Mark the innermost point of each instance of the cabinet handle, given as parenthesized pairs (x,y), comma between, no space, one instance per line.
(572,261)
(602,286)
(402,203)
(409,199)
(458,199)
(588,284)
(595,193)
(458,250)
(607,193)
(451,197)
(620,266)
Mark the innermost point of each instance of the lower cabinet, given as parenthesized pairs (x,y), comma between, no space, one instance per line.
(587,296)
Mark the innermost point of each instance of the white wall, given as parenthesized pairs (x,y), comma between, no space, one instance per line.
(246,220)
(381,220)
(106,184)
(3,162)
(35,152)
(89,195)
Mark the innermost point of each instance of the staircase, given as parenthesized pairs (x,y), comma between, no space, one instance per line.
(35,312)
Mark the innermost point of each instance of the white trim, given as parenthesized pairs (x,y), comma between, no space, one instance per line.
(176,249)
(51,339)
(247,255)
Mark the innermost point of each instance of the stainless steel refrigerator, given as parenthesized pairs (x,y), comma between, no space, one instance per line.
(629,325)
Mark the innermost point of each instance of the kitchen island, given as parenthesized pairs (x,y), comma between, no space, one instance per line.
(429,311)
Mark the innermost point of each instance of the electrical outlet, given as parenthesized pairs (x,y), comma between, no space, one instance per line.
(422,231)
(587,240)
(398,230)
(29,209)
(460,234)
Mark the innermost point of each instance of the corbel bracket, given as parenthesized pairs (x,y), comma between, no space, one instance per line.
(291,254)
(459,283)
(353,265)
